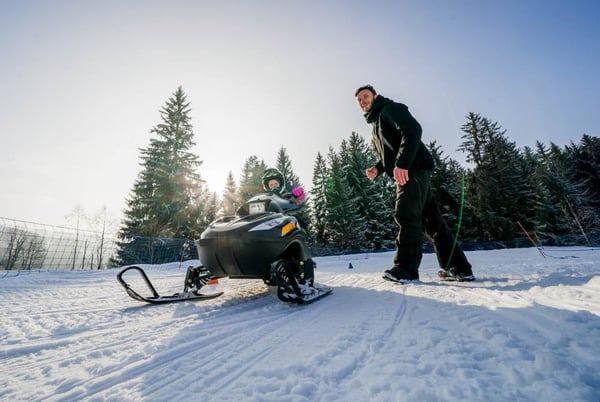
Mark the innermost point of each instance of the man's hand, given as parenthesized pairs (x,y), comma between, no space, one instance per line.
(371,173)
(401,176)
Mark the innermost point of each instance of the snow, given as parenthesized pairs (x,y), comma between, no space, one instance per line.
(527,330)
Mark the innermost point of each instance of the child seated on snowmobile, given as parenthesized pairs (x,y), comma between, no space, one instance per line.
(273,181)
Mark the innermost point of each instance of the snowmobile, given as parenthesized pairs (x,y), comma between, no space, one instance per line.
(263,240)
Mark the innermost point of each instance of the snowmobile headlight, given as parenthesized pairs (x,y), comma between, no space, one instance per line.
(268,225)
(256,208)
(287,228)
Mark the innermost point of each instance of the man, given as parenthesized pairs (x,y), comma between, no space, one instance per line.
(404,158)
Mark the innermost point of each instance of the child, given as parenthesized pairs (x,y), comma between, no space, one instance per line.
(274,181)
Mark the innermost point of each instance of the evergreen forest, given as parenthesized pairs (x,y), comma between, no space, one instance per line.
(505,193)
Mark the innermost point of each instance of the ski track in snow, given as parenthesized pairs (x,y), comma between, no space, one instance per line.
(526,330)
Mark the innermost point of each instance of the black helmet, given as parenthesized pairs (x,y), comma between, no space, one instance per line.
(273,174)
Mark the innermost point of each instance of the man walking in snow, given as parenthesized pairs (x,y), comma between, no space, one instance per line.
(404,158)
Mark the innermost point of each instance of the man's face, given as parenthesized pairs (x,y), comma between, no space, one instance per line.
(365,100)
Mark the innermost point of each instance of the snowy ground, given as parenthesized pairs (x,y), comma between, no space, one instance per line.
(527,330)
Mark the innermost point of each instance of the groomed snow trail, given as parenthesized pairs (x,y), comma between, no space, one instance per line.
(527,330)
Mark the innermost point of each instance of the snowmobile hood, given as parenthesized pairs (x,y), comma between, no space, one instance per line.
(260,213)
(249,223)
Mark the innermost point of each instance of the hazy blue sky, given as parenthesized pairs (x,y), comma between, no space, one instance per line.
(81,83)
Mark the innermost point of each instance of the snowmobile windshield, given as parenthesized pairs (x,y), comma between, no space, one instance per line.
(266,203)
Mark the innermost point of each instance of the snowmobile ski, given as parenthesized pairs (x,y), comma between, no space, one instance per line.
(312,294)
(290,289)
(195,278)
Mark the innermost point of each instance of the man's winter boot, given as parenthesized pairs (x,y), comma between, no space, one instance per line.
(400,274)
(454,274)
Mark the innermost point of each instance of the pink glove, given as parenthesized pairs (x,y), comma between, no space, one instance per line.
(298,192)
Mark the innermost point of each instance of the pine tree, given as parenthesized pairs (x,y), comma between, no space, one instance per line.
(572,181)
(318,202)
(374,199)
(251,181)
(556,182)
(541,218)
(231,201)
(352,159)
(498,190)
(284,165)
(211,210)
(343,217)
(168,196)
(585,174)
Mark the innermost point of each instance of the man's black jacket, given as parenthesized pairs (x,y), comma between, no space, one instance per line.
(397,137)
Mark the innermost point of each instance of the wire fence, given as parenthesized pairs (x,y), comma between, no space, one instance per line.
(33,246)
(28,246)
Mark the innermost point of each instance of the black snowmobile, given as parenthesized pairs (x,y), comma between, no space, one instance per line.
(263,240)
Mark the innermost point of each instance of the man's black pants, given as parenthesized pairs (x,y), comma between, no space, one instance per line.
(416,210)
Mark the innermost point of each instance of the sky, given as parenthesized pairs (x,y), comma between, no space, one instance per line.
(526,330)
(82,83)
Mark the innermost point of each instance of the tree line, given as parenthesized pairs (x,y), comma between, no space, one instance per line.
(549,190)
